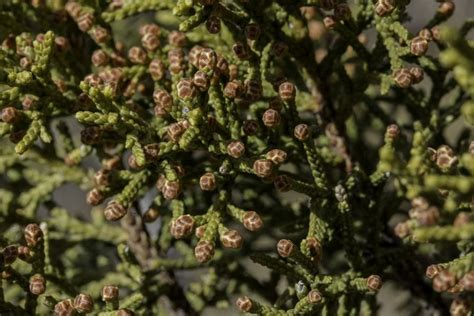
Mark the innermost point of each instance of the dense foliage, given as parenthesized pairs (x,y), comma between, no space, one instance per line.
(277,157)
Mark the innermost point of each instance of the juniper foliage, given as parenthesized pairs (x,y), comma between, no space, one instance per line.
(221,135)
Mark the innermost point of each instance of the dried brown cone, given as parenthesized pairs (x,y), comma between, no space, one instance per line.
(204,251)
(213,24)
(207,58)
(446,8)
(85,21)
(133,163)
(277,156)
(222,67)
(462,218)
(73,9)
(253,89)
(37,284)
(457,288)
(342,11)
(160,111)
(236,149)
(163,99)
(314,247)
(287,91)
(330,22)
(233,72)
(201,80)
(110,293)
(91,135)
(302,132)
(208,182)
(150,41)
(384,7)
(428,217)
(29,103)
(252,31)
(460,307)
(100,34)
(402,230)
(285,248)
(112,76)
(231,239)
(403,78)
(83,303)
(271,118)
(200,231)
(151,215)
(282,183)
(426,34)
(433,270)
(244,304)
(392,131)
(10,115)
(445,157)
(417,74)
(16,136)
(418,46)
(177,38)
(114,211)
(99,58)
(252,221)
(279,49)
(94,197)
(250,127)
(193,56)
(233,89)
(186,89)
(149,28)
(374,283)
(420,203)
(176,56)
(24,253)
(241,51)
(171,189)
(444,280)
(263,168)
(175,131)
(176,60)
(182,226)
(152,151)
(314,297)
(180,171)
(467,281)
(93,80)
(137,55)
(33,235)
(112,163)
(64,308)
(157,69)
(102,178)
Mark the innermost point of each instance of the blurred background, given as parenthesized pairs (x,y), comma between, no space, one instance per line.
(392,299)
